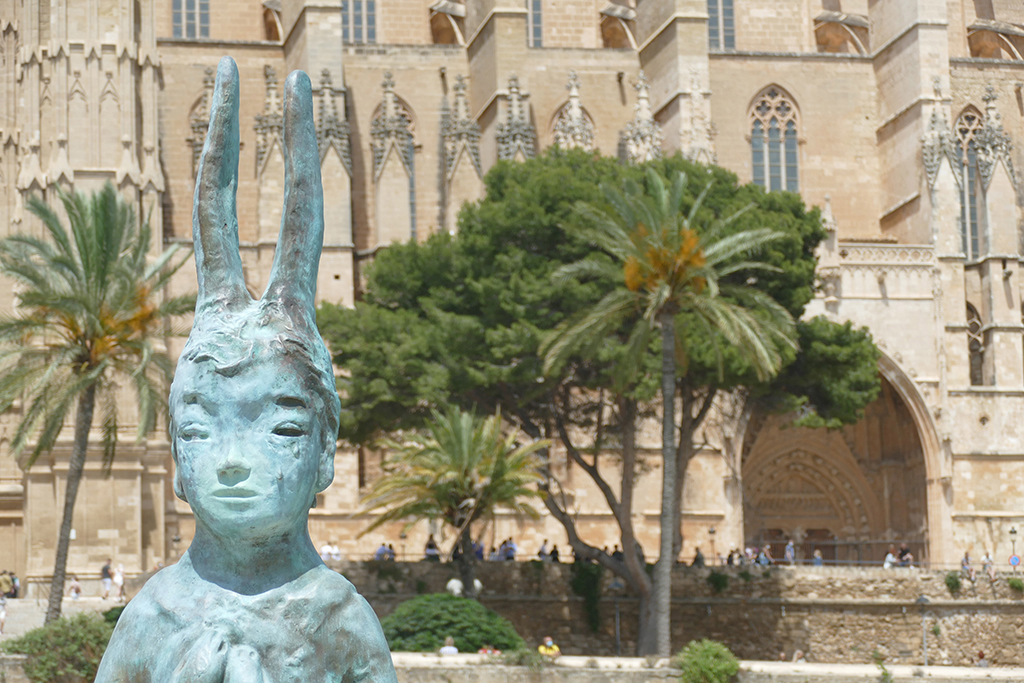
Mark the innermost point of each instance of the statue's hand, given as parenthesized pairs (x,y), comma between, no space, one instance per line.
(205,662)
(243,666)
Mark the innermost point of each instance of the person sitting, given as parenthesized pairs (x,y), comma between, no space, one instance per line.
(381,554)
(982,662)
(549,649)
(449,647)
(75,589)
(890,558)
(390,556)
(487,649)
(818,560)
(543,553)
(965,566)
(906,558)
(989,566)
(798,657)
(430,550)
(617,554)
(553,556)
(698,559)
(495,556)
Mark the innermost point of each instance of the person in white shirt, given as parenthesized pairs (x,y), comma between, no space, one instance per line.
(449,647)
(325,552)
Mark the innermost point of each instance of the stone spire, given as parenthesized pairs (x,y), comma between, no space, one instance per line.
(939,142)
(270,123)
(393,123)
(199,121)
(641,139)
(572,126)
(697,135)
(993,143)
(460,131)
(516,136)
(332,129)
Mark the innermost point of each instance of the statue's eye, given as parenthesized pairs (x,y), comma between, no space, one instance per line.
(289,429)
(193,434)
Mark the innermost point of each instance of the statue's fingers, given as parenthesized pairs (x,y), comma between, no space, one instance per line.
(214,219)
(293,277)
(205,662)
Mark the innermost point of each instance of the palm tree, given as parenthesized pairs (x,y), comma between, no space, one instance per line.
(460,471)
(90,305)
(670,267)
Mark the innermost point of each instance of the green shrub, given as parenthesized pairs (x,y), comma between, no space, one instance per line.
(523,657)
(718,581)
(953,582)
(113,614)
(422,624)
(1016,584)
(706,661)
(745,575)
(65,651)
(586,583)
(936,630)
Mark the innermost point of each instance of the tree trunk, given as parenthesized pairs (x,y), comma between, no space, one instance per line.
(663,570)
(646,636)
(467,564)
(83,423)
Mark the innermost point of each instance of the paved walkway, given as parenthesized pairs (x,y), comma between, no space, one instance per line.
(25,615)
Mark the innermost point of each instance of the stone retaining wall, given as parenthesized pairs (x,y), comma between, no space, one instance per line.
(834,615)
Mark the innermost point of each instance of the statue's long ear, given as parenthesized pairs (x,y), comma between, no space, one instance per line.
(214,219)
(297,258)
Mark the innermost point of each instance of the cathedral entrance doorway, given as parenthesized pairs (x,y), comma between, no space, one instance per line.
(847,493)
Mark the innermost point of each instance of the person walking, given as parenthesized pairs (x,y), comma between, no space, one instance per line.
(106,578)
(790,552)
(119,583)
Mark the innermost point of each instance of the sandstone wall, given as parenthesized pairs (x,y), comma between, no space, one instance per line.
(834,615)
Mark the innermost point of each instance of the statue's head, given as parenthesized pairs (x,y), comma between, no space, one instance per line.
(254,409)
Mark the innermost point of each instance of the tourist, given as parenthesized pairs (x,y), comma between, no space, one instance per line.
(782,655)
(543,553)
(449,647)
(119,583)
(553,556)
(335,553)
(982,662)
(511,549)
(430,551)
(617,554)
(989,566)
(698,559)
(905,556)
(381,553)
(798,657)
(495,556)
(790,555)
(16,591)
(478,550)
(818,560)
(487,649)
(765,558)
(890,558)
(106,578)
(74,588)
(325,552)
(549,649)
(3,613)
(6,585)
(965,566)
(390,557)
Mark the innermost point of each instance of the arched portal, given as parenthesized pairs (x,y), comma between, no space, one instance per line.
(847,492)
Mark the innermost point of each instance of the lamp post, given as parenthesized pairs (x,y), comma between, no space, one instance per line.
(1013,544)
(616,587)
(714,556)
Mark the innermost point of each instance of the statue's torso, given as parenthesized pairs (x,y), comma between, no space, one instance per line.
(181,628)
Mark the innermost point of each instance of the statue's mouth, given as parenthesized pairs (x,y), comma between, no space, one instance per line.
(234,493)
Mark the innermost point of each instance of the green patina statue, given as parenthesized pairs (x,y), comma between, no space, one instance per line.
(254,413)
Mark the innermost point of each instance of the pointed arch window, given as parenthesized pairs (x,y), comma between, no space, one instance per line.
(967,127)
(975,346)
(774,145)
(721,25)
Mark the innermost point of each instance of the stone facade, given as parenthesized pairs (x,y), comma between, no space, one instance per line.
(903,120)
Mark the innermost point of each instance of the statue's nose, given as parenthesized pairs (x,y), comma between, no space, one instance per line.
(234,469)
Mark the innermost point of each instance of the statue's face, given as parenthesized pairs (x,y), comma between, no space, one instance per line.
(249,447)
